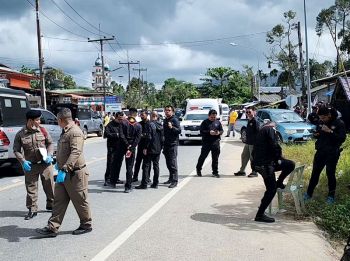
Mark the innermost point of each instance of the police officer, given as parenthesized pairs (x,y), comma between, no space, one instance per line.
(72,178)
(172,131)
(267,159)
(143,144)
(152,152)
(211,130)
(251,132)
(330,135)
(36,161)
(132,132)
(115,149)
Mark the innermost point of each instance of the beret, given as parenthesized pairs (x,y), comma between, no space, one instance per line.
(33,114)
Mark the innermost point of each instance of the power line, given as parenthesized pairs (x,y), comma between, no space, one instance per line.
(98,29)
(52,21)
(59,8)
(66,39)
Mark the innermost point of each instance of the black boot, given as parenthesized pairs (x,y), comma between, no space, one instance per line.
(264,218)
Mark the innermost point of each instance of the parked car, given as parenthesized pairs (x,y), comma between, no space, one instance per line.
(13,107)
(190,125)
(289,125)
(225,111)
(89,122)
(161,112)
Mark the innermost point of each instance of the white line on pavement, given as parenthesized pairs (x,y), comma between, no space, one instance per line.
(118,241)
(18,182)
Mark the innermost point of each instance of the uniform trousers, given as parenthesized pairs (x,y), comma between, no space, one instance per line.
(214,148)
(170,154)
(146,168)
(75,189)
(31,181)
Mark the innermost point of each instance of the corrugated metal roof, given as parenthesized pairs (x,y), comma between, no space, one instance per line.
(269,98)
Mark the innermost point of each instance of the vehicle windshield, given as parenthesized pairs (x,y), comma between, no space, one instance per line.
(225,109)
(196,117)
(286,117)
(13,111)
(159,110)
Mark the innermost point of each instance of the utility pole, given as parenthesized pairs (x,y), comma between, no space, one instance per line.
(140,82)
(129,63)
(307,64)
(302,69)
(101,40)
(41,58)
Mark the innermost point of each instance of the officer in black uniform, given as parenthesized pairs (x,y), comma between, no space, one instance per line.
(330,134)
(172,131)
(143,144)
(151,151)
(115,149)
(132,132)
(211,131)
(267,159)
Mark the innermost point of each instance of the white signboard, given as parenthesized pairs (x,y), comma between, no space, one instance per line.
(113,107)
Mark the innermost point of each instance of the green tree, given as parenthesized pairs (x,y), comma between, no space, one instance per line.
(57,79)
(117,89)
(35,84)
(320,70)
(283,49)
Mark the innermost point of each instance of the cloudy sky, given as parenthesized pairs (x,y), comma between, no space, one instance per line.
(171,38)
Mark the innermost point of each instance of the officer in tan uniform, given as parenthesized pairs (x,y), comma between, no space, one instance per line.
(72,178)
(33,148)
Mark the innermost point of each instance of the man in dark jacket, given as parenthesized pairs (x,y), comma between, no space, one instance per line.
(251,132)
(313,117)
(144,142)
(152,152)
(211,131)
(172,131)
(132,132)
(267,159)
(330,134)
(115,149)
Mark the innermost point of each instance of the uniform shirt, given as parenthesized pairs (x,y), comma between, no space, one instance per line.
(330,141)
(157,139)
(70,148)
(146,134)
(233,117)
(132,131)
(31,140)
(313,118)
(266,148)
(114,134)
(207,126)
(252,131)
(171,135)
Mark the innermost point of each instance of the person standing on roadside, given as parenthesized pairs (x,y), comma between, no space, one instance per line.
(115,150)
(267,159)
(33,139)
(330,135)
(247,153)
(132,131)
(231,123)
(152,152)
(172,131)
(211,131)
(72,178)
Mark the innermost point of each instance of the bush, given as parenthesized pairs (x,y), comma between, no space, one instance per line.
(335,219)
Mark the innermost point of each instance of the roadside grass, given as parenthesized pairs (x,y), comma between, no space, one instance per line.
(334,219)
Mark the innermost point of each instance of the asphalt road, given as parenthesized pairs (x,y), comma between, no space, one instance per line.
(202,219)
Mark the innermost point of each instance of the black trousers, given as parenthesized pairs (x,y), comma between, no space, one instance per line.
(108,164)
(146,168)
(129,163)
(323,159)
(170,154)
(139,159)
(117,156)
(214,148)
(268,174)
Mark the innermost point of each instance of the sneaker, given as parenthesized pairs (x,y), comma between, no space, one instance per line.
(330,200)
(239,173)
(173,185)
(46,232)
(227,136)
(154,186)
(306,197)
(253,175)
(30,215)
(264,219)
(199,173)
(81,230)
(141,187)
(280,185)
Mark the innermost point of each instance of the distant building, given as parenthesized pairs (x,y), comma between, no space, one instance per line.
(15,79)
(97,81)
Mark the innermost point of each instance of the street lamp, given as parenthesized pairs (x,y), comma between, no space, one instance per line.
(258,56)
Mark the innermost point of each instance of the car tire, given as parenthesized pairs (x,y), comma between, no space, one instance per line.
(100,132)
(85,133)
(244,135)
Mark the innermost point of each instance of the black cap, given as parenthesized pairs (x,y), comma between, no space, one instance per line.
(33,114)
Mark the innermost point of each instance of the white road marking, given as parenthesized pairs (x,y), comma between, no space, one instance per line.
(19,182)
(119,240)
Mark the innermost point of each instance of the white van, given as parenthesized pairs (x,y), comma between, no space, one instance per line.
(190,125)
(203,104)
(225,110)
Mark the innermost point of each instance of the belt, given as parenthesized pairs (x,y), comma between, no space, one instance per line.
(79,168)
(38,162)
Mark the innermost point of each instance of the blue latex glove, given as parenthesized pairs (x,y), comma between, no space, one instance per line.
(49,159)
(27,166)
(56,167)
(61,176)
